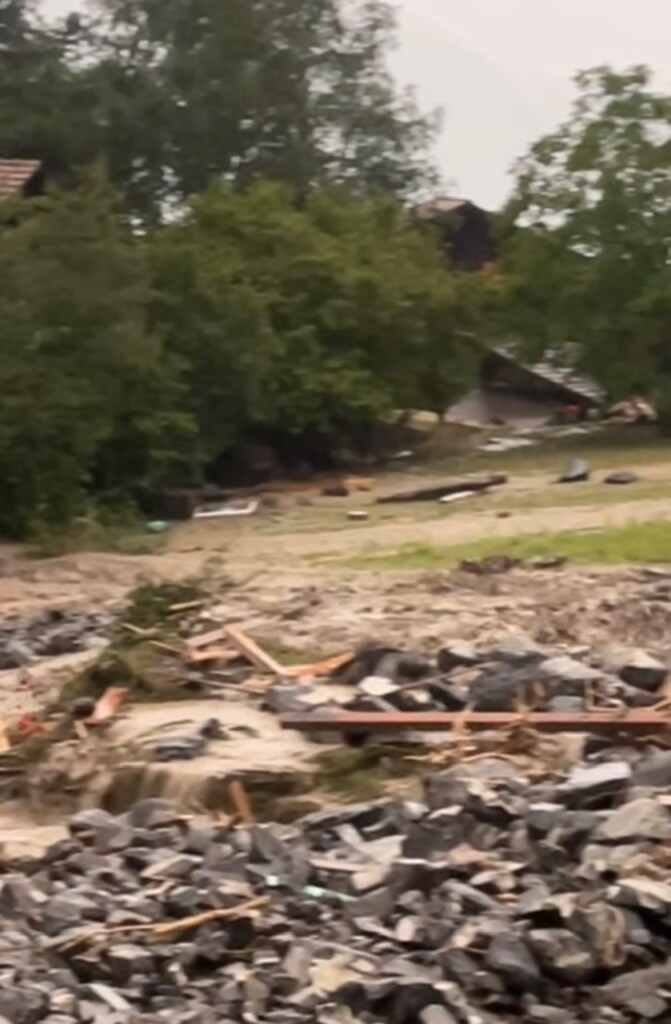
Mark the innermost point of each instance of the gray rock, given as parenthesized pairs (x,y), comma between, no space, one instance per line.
(457,655)
(644,671)
(567,676)
(633,989)
(509,956)
(562,954)
(621,478)
(644,894)
(517,649)
(589,786)
(577,471)
(639,819)
(436,1014)
(23,1004)
(654,770)
(500,690)
(153,813)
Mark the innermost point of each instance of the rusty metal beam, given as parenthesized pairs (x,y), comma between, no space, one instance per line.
(634,721)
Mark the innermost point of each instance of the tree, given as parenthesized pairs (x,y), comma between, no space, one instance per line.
(174,93)
(311,321)
(590,258)
(80,374)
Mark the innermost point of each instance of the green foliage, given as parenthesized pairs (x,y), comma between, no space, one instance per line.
(173,93)
(132,360)
(80,374)
(644,543)
(589,260)
(236,265)
(318,318)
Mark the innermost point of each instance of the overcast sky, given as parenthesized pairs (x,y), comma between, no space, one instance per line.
(502,69)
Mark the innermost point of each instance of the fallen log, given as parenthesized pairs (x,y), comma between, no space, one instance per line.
(634,722)
(444,490)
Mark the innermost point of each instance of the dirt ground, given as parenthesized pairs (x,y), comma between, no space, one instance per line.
(283,575)
(312,541)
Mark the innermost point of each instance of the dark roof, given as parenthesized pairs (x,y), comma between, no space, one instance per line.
(441,204)
(15,175)
(556,368)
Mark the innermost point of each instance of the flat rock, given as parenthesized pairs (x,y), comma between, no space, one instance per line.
(622,478)
(517,649)
(639,819)
(588,786)
(509,956)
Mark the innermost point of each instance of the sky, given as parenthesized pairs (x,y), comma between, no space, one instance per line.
(502,70)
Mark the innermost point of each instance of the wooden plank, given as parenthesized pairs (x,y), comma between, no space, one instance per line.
(634,721)
(320,668)
(241,803)
(206,639)
(225,654)
(108,705)
(253,652)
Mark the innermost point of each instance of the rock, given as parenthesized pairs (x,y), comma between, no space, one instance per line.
(500,690)
(567,676)
(23,1004)
(152,813)
(517,649)
(562,954)
(335,491)
(357,515)
(457,655)
(570,705)
(436,1014)
(576,472)
(639,819)
(591,786)
(637,668)
(654,770)
(644,894)
(634,989)
(509,956)
(622,477)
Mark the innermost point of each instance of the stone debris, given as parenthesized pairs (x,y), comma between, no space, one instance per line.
(51,633)
(493,899)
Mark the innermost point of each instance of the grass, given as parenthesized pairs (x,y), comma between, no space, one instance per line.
(89,534)
(646,543)
(610,447)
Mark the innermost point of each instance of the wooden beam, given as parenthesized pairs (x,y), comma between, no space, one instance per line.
(251,650)
(635,721)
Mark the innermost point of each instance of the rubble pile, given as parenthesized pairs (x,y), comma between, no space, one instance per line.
(504,677)
(50,633)
(495,898)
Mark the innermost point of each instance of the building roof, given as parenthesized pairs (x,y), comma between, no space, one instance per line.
(558,370)
(15,175)
(441,204)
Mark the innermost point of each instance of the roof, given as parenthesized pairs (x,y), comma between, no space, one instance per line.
(16,174)
(441,204)
(556,369)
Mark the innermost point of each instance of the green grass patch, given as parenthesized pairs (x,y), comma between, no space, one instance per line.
(647,543)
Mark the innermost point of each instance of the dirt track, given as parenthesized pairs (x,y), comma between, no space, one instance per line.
(311,541)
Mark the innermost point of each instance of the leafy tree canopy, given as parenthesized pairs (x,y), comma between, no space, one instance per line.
(590,259)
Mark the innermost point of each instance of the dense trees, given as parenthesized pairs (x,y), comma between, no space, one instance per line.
(227,251)
(171,93)
(590,258)
(130,359)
